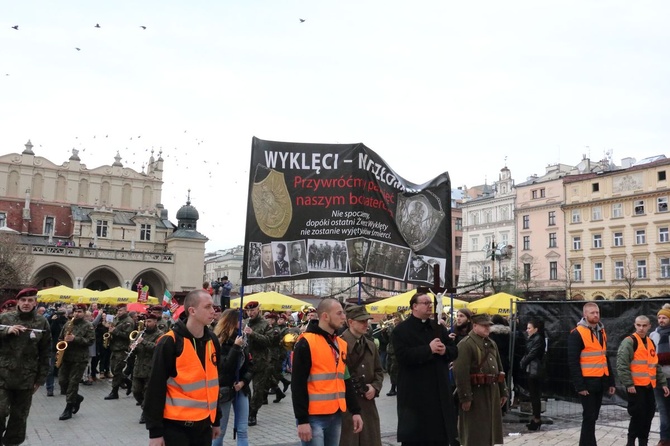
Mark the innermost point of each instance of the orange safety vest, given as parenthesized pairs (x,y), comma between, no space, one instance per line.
(193,394)
(325,384)
(593,359)
(643,365)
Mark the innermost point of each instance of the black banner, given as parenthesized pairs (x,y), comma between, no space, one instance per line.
(327,210)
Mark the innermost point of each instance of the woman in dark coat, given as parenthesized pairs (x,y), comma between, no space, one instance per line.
(426,412)
(532,364)
(234,377)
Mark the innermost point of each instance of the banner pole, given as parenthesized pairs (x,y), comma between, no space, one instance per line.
(239,325)
(360,287)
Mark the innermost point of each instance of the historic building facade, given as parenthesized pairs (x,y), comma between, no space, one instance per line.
(99,228)
(618,232)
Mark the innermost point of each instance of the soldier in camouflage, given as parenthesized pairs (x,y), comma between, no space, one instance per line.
(25,351)
(392,362)
(120,342)
(259,337)
(279,330)
(163,325)
(144,352)
(79,335)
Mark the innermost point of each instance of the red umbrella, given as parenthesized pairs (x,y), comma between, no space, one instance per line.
(138,307)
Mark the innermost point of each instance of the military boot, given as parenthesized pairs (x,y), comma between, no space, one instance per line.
(286,383)
(67,413)
(142,419)
(280,395)
(75,406)
(114,394)
(252,418)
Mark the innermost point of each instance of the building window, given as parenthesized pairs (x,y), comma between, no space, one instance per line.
(49,225)
(3,219)
(526,272)
(596,213)
(145,232)
(526,242)
(639,207)
(665,268)
(577,272)
(618,239)
(474,241)
(486,272)
(459,242)
(101,228)
(474,218)
(641,269)
(576,216)
(597,241)
(617,210)
(598,271)
(663,236)
(595,187)
(576,242)
(640,237)
(661,175)
(662,204)
(538,193)
(459,224)
(552,240)
(473,274)
(553,270)
(526,221)
(504,238)
(457,263)
(487,216)
(618,270)
(552,218)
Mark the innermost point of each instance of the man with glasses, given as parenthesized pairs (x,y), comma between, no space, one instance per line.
(79,335)
(25,350)
(367,376)
(424,351)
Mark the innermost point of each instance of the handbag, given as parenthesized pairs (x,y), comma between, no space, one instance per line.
(226,394)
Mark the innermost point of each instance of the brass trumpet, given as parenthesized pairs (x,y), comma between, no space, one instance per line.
(289,340)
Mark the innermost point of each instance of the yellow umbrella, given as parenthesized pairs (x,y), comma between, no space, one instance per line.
(59,293)
(119,295)
(272,300)
(495,304)
(400,303)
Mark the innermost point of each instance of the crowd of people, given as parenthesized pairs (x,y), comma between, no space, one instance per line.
(187,375)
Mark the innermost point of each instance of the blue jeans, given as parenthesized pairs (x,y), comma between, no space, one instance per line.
(326,430)
(52,373)
(241,408)
(663,406)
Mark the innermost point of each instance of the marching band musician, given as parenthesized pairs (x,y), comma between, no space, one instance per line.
(260,338)
(119,344)
(367,376)
(144,351)
(24,364)
(79,335)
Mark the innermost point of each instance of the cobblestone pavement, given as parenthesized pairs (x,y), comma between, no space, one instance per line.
(115,422)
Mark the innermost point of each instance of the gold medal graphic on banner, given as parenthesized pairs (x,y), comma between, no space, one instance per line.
(272,203)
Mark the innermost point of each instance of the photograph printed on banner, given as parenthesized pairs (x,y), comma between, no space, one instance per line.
(254,268)
(358,254)
(326,255)
(432,261)
(267,262)
(298,263)
(386,259)
(280,260)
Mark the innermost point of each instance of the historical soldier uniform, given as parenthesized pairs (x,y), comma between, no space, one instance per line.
(480,381)
(366,370)
(24,365)
(120,342)
(144,352)
(79,335)
(260,337)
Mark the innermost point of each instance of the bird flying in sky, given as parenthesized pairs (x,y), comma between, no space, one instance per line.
(16,27)
(302,20)
(97,25)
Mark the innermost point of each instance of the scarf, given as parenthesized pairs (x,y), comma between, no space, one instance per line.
(663,347)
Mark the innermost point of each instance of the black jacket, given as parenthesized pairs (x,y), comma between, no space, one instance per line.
(164,366)
(302,364)
(234,357)
(535,346)
(575,347)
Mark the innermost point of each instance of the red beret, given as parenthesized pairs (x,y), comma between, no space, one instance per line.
(81,307)
(27,292)
(9,303)
(156,308)
(271,316)
(251,305)
(151,316)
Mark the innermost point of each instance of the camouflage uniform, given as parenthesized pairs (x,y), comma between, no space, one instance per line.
(75,357)
(119,344)
(259,348)
(391,363)
(24,364)
(144,353)
(278,353)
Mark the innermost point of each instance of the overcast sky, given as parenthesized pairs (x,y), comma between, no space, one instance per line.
(431,86)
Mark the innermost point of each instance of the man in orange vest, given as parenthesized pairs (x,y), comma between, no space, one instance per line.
(590,370)
(320,392)
(638,370)
(181,402)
